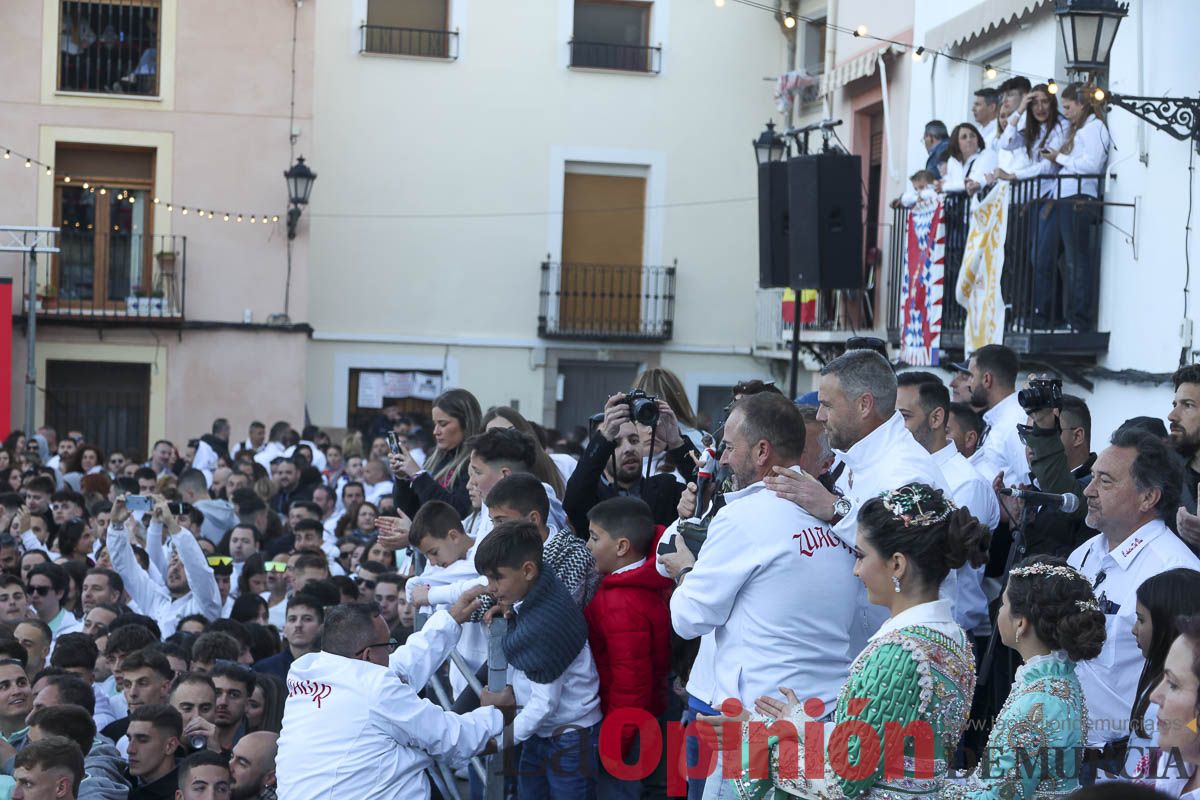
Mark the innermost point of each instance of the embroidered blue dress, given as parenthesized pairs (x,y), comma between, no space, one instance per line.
(1044,717)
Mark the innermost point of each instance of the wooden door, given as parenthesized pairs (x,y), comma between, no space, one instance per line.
(603,230)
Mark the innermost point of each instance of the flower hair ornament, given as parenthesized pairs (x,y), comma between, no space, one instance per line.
(917,505)
(1087,605)
(1046,570)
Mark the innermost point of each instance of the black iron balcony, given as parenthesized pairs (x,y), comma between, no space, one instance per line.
(115,278)
(606,301)
(625,57)
(1037,309)
(108,47)
(420,42)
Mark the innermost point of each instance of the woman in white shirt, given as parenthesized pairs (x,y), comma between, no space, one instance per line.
(1084,153)
(1035,126)
(968,161)
(1176,697)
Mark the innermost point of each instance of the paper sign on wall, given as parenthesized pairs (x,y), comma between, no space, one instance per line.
(398,384)
(370,390)
(426,386)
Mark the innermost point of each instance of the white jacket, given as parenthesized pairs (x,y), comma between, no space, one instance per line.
(775,590)
(353,729)
(153,598)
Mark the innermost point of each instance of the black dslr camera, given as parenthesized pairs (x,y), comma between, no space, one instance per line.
(1041,394)
(643,408)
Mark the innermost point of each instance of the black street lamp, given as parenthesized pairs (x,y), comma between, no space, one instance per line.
(769,146)
(1088,28)
(300,182)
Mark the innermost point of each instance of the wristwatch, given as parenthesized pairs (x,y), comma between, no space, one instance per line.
(841,507)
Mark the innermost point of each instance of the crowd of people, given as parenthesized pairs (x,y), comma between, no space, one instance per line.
(640,608)
(1020,133)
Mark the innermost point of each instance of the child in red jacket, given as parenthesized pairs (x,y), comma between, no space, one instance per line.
(629,625)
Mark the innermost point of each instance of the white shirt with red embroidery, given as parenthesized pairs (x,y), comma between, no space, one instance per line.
(1109,681)
(355,729)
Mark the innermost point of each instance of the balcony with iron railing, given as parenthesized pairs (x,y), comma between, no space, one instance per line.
(606,302)
(418,42)
(613,56)
(109,47)
(108,278)
(1036,310)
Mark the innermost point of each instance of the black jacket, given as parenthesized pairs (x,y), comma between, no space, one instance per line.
(587,487)
(1053,532)
(411,495)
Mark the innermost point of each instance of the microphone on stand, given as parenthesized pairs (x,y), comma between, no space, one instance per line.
(1066,503)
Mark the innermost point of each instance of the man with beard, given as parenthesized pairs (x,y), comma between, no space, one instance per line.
(993,386)
(191,587)
(611,466)
(876,453)
(1184,420)
(764,558)
(101,586)
(252,766)
(234,684)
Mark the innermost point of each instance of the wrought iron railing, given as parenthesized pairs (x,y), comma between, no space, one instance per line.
(1040,315)
(99,276)
(108,47)
(421,42)
(606,301)
(606,55)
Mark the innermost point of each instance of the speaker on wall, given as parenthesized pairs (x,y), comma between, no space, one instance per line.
(825,213)
(773,268)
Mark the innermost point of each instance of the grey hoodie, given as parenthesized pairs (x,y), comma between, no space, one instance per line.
(104,774)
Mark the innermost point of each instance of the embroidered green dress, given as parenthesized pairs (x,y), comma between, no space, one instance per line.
(918,668)
(1044,717)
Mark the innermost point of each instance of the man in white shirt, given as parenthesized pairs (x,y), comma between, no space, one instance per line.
(1134,489)
(984,109)
(190,586)
(924,402)
(353,723)
(773,591)
(254,442)
(876,453)
(993,371)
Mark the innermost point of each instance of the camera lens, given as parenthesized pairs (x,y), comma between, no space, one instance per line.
(645,411)
(198,742)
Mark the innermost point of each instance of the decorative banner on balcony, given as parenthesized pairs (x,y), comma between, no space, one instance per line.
(921,285)
(978,286)
(808,306)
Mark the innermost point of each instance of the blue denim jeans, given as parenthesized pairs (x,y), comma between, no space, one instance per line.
(561,766)
(1045,262)
(1076,219)
(692,746)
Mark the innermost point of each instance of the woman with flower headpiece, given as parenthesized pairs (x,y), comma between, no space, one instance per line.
(912,684)
(1051,618)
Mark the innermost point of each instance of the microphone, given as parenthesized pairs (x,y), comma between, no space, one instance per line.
(829,124)
(1067,503)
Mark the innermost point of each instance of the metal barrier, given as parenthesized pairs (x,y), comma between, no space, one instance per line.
(492,773)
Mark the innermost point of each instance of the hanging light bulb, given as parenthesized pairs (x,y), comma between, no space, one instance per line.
(989,72)
(170,207)
(1051,86)
(861,30)
(185,211)
(916,54)
(239,217)
(8,153)
(131,199)
(719,3)
(275,218)
(85,185)
(156,201)
(789,21)
(227,218)
(210,215)
(1099,94)
(252,220)
(49,171)
(67,179)
(28,163)
(103,190)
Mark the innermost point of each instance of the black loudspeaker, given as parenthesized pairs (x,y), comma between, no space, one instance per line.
(825,241)
(773,271)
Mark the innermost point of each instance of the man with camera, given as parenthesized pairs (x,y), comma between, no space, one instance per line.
(1058,439)
(611,465)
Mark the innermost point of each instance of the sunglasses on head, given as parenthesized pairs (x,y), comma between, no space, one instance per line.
(275,566)
(39,590)
(219,561)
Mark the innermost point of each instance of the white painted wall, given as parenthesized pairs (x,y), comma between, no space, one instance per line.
(406,144)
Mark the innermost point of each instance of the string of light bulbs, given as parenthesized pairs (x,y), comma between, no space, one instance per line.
(917,52)
(124,195)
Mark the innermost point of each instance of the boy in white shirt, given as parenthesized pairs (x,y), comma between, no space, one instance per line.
(550,666)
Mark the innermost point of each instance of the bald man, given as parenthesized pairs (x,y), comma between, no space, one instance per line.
(252,766)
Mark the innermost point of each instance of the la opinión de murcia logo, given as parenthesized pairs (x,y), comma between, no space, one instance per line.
(315,690)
